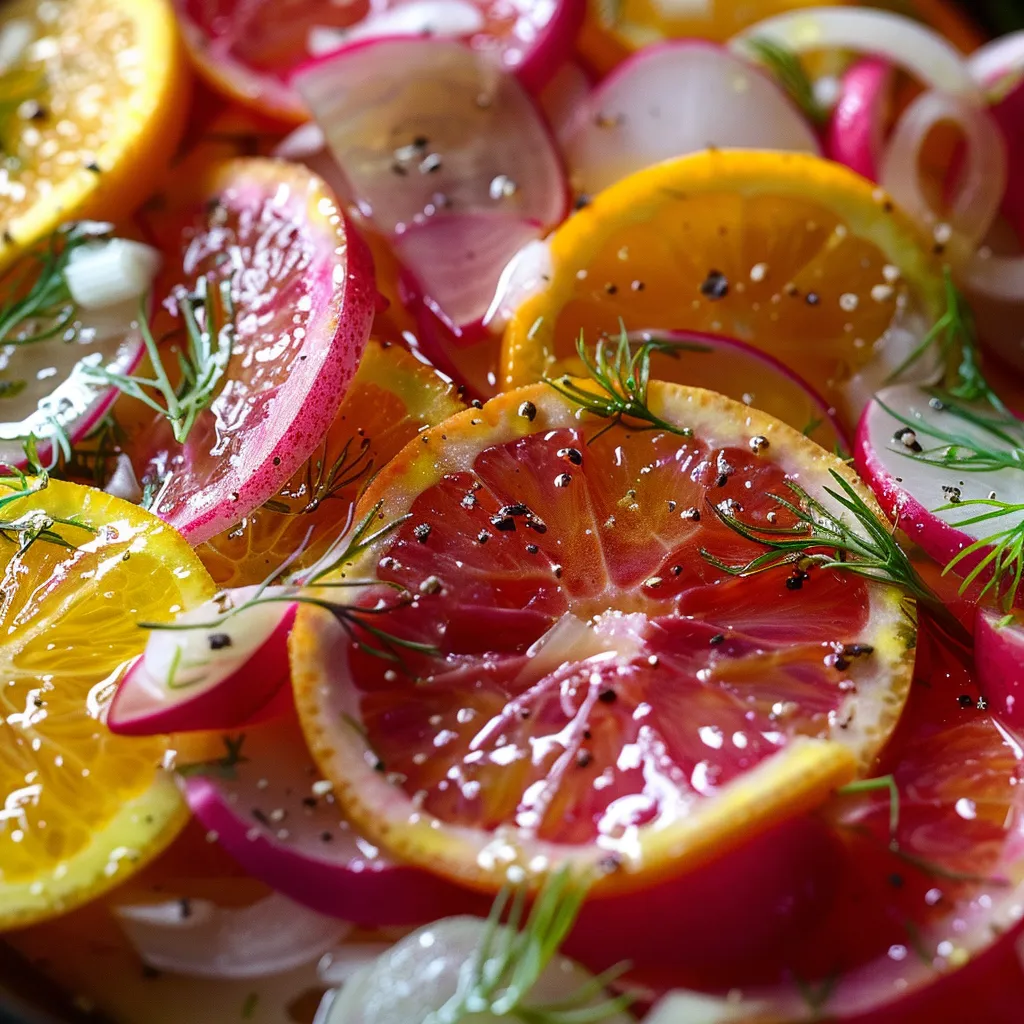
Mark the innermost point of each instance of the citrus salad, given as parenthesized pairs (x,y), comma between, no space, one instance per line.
(511,511)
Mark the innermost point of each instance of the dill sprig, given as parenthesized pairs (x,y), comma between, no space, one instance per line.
(35,302)
(32,525)
(789,71)
(961,451)
(955,339)
(202,364)
(330,479)
(1003,558)
(500,975)
(623,381)
(853,541)
(223,767)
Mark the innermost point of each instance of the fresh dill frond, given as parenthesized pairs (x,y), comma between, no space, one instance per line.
(223,767)
(788,70)
(884,782)
(622,379)
(512,957)
(202,364)
(850,539)
(330,479)
(1002,553)
(35,301)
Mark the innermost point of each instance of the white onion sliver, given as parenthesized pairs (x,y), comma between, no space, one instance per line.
(108,273)
(682,1007)
(982,180)
(340,965)
(917,49)
(997,277)
(674,99)
(997,60)
(422,127)
(526,274)
(198,939)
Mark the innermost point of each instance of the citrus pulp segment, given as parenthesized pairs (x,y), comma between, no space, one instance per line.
(598,693)
(104,92)
(392,397)
(784,251)
(301,286)
(81,807)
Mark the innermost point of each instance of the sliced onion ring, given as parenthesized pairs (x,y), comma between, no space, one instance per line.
(911,46)
(996,62)
(982,183)
(201,940)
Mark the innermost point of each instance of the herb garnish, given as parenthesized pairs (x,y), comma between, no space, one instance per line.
(202,365)
(330,480)
(622,380)
(787,68)
(223,767)
(511,959)
(1005,561)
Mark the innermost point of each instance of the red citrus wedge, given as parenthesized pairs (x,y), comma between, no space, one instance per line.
(601,695)
(302,292)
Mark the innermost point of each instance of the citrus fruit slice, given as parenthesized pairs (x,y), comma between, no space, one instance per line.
(102,91)
(392,398)
(792,254)
(82,808)
(301,291)
(599,693)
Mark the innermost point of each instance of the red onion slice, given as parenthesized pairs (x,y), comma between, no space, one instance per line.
(999,662)
(422,128)
(856,130)
(564,99)
(677,98)
(199,939)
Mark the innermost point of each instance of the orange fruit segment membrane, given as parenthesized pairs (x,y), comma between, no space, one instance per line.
(598,691)
(794,255)
(392,397)
(93,103)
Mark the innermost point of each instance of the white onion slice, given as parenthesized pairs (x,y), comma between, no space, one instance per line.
(340,965)
(199,939)
(678,98)
(528,273)
(683,1007)
(422,127)
(111,272)
(911,46)
(998,62)
(983,178)
(997,277)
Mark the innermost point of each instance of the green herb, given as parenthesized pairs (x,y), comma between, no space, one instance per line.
(34,524)
(12,388)
(886,782)
(961,451)
(35,303)
(954,338)
(788,69)
(511,959)
(249,1006)
(222,767)
(853,541)
(1004,562)
(202,365)
(622,380)
(331,480)
(817,996)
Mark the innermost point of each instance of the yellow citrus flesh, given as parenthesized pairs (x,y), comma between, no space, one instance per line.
(392,397)
(81,808)
(520,745)
(105,92)
(794,255)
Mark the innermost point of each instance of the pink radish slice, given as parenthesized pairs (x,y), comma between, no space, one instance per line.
(675,98)
(755,378)
(303,289)
(856,131)
(458,260)
(999,662)
(207,677)
(424,128)
(910,489)
(564,99)
(280,822)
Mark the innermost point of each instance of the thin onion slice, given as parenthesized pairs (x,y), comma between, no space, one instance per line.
(201,940)
(678,98)
(998,65)
(856,131)
(982,181)
(909,45)
(423,127)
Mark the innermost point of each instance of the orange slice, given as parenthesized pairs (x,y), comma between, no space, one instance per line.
(792,254)
(601,694)
(81,808)
(391,399)
(104,92)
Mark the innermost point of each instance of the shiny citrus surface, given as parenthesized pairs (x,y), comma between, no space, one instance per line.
(82,809)
(792,254)
(103,89)
(601,694)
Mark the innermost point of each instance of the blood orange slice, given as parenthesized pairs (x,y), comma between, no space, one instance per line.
(601,694)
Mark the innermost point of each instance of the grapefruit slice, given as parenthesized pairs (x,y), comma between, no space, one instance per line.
(82,808)
(100,92)
(785,251)
(302,292)
(601,695)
